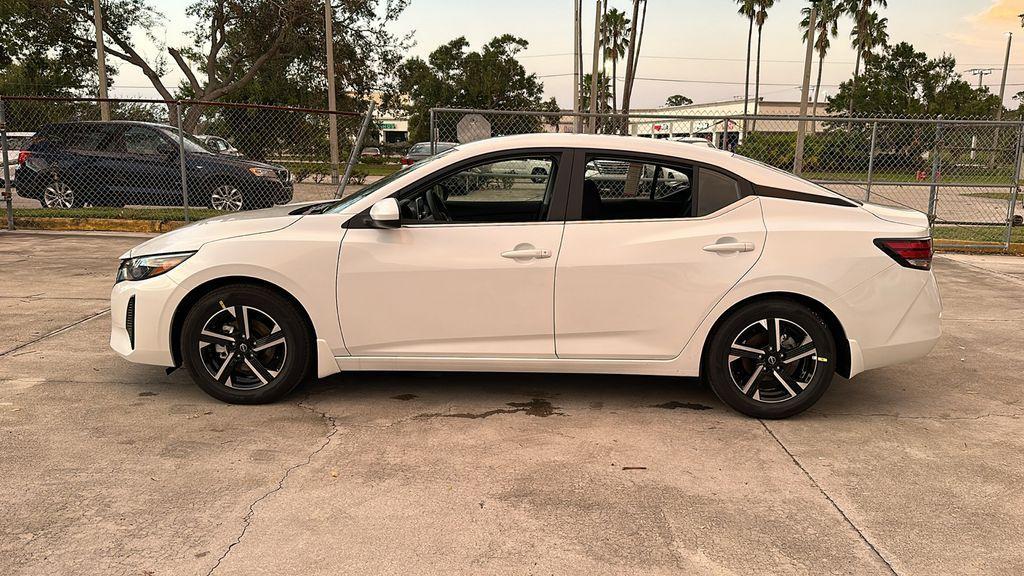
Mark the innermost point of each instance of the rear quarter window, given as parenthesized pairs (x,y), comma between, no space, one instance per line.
(715,191)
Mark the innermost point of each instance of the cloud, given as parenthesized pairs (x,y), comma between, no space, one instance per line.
(1001,12)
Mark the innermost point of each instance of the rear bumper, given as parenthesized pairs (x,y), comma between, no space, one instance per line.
(892,318)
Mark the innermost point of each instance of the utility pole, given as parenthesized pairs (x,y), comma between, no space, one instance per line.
(332,105)
(801,129)
(593,74)
(101,61)
(980,73)
(576,84)
(1002,94)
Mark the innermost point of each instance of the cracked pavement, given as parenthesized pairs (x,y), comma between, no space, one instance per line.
(115,468)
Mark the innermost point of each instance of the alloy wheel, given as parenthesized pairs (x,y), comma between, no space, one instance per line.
(58,195)
(772,360)
(242,347)
(227,198)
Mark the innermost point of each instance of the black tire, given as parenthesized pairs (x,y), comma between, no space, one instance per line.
(758,385)
(251,375)
(539,174)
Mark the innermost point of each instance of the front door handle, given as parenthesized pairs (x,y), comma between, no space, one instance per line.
(729,247)
(520,253)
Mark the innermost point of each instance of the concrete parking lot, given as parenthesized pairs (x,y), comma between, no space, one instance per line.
(113,468)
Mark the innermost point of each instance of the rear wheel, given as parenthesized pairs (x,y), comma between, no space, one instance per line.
(771,359)
(59,195)
(246,345)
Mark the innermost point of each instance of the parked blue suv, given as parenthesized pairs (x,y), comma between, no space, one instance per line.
(117,163)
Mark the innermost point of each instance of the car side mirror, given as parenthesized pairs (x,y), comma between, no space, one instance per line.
(385,214)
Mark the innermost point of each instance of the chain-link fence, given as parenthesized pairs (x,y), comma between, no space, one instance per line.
(963,173)
(178,160)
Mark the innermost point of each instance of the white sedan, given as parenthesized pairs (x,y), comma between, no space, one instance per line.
(759,282)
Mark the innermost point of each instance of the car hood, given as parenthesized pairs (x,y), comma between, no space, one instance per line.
(193,236)
(238,161)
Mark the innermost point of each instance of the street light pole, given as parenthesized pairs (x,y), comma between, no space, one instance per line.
(593,74)
(576,66)
(101,61)
(332,105)
(805,89)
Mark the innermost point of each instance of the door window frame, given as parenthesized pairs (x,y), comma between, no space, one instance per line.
(564,162)
(574,206)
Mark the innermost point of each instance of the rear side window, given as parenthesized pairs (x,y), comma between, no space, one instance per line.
(715,192)
(631,189)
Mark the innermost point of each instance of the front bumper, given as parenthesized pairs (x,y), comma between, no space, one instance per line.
(150,340)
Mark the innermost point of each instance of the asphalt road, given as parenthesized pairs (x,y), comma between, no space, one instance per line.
(113,468)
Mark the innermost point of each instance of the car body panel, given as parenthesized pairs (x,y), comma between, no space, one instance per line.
(442,297)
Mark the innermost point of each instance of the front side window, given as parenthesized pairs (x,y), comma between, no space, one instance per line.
(143,141)
(515,189)
(628,189)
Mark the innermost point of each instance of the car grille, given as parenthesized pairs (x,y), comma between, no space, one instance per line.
(129,321)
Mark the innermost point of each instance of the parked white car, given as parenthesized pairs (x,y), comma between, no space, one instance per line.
(218,145)
(15,143)
(758,281)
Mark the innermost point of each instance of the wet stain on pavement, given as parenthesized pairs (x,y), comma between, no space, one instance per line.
(149,393)
(688,405)
(404,397)
(536,407)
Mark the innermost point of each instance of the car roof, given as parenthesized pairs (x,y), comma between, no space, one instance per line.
(746,168)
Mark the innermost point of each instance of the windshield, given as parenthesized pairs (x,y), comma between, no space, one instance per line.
(370,189)
(192,144)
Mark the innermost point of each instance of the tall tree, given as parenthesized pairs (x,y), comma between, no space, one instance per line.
(614,29)
(491,78)
(860,11)
(826,28)
(747,10)
(234,40)
(760,17)
(636,37)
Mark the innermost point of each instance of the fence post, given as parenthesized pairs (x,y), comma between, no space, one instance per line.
(933,194)
(8,200)
(181,159)
(433,134)
(871,161)
(357,147)
(1015,189)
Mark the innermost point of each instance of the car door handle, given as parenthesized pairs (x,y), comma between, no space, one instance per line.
(729,247)
(526,254)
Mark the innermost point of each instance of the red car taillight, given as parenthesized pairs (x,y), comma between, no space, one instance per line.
(407,161)
(909,252)
(23,157)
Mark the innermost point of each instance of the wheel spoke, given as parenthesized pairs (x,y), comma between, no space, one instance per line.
(245,321)
(268,341)
(788,383)
(799,352)
(226,368)
(749,388)
(775,333)
(258,369)
(740,351)
(207,337)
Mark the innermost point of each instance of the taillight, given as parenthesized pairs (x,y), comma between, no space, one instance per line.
(406,161)
(909,252)
(23,157)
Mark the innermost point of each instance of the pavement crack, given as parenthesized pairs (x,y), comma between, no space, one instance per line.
(921,416)
(831,501)
(249,515)
(55,332)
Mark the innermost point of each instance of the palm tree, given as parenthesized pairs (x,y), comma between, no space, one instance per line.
(760,17)
(827,27)
(614,29)
(862,15)
(747,10)
(636,39)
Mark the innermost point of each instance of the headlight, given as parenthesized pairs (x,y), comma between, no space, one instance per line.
(263,172)
(149,266)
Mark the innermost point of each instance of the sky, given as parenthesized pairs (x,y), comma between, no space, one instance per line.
(692,47)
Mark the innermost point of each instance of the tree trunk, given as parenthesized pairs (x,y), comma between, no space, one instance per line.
(817,89)
(757,79)
(615,85)
(856,75)
(746,79)
(630,61)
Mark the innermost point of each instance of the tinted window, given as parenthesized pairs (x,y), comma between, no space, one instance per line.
(85,138)
(715,192)
(516,189)
(627,189)
(139,140)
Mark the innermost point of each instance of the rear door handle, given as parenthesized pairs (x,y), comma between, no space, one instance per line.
(526,254)
(729,247)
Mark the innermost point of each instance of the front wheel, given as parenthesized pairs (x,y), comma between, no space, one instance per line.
(246,344)
(227,198)
(771,359)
